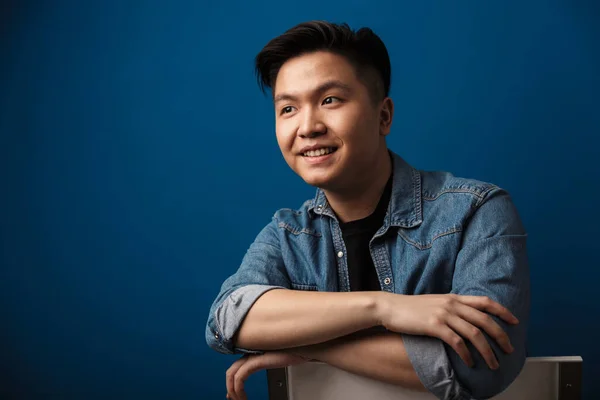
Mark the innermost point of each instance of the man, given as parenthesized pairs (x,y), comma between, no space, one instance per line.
(410,277)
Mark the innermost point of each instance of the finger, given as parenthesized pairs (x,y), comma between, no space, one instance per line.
(476,337)
(239,381)
(484,303)
(457,343)
(486,322)
(251,366)
(230,375)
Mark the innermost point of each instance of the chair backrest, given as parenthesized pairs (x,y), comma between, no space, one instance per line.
(542,378)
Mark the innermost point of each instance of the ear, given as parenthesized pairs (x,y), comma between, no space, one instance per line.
(386,115)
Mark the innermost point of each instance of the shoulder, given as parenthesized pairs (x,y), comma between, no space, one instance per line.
(484,206)
(457,199)
(436,184)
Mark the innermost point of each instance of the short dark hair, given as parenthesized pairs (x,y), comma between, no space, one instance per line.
(362,48)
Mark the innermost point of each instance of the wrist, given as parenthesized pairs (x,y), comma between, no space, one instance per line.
(380,308)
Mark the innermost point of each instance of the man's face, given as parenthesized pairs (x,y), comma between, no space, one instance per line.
(329,130)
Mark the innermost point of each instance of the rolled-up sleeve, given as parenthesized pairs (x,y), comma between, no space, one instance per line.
(262,269)
(492,262)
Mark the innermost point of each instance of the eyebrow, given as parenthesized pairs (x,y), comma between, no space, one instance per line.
(325,86)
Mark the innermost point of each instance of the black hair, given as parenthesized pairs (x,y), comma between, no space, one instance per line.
(365,51)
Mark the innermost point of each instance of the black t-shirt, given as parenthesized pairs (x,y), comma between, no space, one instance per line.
(357,235)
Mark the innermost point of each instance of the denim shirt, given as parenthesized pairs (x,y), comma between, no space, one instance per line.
(441,234)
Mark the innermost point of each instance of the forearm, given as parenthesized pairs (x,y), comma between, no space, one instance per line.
(282,319)
(380,356)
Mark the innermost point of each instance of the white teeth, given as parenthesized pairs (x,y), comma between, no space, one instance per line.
(318,152)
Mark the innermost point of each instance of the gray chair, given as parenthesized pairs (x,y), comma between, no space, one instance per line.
(542,378)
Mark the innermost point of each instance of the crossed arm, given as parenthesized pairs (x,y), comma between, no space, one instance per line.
(375,354)
(337,328)
(465,332)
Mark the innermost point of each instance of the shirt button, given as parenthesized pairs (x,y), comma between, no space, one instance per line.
(387,281)
(340,254)
(216,335)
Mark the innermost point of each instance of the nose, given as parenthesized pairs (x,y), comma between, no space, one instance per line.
(311,125)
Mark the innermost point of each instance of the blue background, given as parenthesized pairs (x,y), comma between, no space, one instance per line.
(138,161)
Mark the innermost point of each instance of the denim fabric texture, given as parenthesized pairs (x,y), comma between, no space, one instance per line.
(441,234)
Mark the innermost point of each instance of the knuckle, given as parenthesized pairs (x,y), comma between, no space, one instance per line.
(476,333)
(435,320)
(457,341)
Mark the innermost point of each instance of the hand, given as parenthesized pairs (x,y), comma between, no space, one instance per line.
(249,364)
(449,317)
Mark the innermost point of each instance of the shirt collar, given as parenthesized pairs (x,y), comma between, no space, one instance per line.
(404,209)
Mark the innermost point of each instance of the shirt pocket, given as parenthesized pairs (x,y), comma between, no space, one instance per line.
(301,247)
(424,239)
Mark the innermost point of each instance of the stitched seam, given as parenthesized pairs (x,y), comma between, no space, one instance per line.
(484,194)
(417,192)
(455,191)
(302,286)
(297,231)
(421,246)
(381,258)
(343,278)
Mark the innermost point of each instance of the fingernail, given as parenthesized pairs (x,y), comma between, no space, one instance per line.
(495,365)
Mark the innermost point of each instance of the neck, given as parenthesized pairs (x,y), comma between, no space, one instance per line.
(361,200)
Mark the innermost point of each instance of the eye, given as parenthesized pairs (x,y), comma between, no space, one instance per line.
(331,100)
(287,110)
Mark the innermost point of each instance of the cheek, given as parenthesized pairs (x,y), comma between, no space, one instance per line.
(339,122)
(351,123)
(354,133)
(285,136)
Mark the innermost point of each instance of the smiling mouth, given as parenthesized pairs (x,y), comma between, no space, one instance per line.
(319,152)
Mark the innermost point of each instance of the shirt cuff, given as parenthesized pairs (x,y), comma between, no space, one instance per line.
(432,365)
(230,314)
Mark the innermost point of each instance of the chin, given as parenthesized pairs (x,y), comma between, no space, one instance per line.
(322,182)
(323,178)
